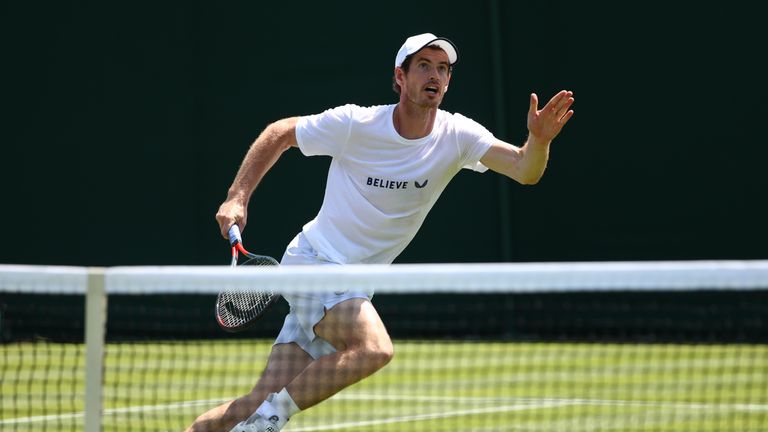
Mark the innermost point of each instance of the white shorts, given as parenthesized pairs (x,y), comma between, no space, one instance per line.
(307,309)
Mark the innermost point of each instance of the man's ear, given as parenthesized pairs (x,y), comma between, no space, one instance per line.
(445,89)
(399,72)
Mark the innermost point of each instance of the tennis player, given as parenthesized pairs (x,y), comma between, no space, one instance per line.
(389,165)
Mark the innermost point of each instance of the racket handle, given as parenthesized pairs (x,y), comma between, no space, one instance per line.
(234,235)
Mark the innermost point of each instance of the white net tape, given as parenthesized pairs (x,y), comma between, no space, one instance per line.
(400,278)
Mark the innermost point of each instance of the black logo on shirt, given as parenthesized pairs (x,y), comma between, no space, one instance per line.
(393,184)
(387,184)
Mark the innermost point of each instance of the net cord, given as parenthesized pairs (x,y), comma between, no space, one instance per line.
(399,278)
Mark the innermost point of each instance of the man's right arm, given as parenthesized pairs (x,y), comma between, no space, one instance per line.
(264,152)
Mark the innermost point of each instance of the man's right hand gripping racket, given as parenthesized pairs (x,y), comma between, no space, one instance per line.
(238,310)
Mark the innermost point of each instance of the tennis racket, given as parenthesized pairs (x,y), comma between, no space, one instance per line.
(238,310)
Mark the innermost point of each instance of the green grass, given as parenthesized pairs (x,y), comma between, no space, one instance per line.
(429,386)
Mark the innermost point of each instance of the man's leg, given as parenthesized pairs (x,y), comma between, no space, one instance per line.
(285,362)
(363,346)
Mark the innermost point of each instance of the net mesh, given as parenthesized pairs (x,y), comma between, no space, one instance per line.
(509,347)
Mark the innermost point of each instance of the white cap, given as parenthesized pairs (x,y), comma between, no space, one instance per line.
(415,43)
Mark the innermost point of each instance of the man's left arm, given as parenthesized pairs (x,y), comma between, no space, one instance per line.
(526,164)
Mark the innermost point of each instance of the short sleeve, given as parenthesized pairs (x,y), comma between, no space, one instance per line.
(474,140)
(326,133)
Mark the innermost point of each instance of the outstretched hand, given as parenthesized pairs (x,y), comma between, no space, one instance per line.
(546,123)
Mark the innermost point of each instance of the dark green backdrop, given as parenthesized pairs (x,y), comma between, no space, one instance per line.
(124,123)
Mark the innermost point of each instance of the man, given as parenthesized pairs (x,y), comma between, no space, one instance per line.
(390,163)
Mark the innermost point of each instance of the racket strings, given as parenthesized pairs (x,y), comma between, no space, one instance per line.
(238,309)
(260,260)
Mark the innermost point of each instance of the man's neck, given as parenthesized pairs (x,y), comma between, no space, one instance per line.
(413,122)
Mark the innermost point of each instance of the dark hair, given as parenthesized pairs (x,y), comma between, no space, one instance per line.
(407,65)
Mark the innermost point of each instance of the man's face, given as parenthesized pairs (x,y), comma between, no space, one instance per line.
(427,79)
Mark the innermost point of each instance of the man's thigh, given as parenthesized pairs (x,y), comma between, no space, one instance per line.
(353,322)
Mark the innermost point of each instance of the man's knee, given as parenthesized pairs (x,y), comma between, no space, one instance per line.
(376,355)
(384,354)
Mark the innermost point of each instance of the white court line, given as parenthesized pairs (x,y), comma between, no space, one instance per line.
(573,401)
(38,419)
(141,408)
(518,405)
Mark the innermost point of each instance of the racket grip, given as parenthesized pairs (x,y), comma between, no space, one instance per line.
(234,235)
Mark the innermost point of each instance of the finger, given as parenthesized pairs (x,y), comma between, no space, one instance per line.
(224,229)
(551,107)
(563,106)
(565,118)
(534,104)
(561,98)
(225,223)
(556,98)
(567,99)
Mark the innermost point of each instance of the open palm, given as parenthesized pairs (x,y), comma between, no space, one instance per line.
(546,123)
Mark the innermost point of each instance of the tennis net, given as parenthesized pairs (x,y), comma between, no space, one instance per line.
(621,346)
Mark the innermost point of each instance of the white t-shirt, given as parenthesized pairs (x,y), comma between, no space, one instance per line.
(380,185)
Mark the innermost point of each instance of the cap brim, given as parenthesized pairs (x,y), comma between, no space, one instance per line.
(447,46)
